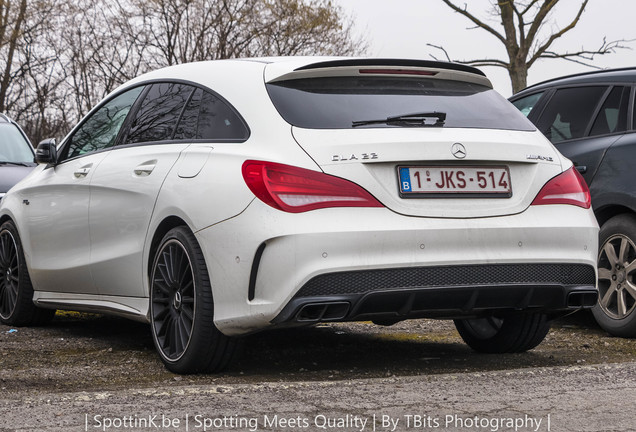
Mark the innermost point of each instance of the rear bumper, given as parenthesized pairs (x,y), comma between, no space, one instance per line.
(448,292)
(271,268)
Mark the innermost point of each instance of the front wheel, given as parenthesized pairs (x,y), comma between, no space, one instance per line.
(182,310)
(509,334)
(16,290)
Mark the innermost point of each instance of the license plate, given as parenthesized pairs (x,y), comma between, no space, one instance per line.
(440,180)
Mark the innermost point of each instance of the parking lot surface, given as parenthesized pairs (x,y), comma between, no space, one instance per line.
(89,372)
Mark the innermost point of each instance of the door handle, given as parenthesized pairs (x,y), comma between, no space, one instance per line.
(581,168)
(145,168)
(82,172)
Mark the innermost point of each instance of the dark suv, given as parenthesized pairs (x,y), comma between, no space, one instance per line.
(16,154)
(591,119)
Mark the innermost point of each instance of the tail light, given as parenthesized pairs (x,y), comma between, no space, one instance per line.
(569,187)
(292,189)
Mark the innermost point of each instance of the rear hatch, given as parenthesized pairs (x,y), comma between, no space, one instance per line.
(425,138)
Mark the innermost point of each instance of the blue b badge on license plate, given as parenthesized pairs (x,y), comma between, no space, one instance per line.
(405,180)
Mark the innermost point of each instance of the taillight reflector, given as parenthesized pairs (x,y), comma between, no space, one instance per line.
(569,187)
(292,189)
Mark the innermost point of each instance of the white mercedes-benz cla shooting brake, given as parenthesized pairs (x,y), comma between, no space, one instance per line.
(218,199)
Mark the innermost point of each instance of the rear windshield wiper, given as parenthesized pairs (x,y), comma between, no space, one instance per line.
(408,120)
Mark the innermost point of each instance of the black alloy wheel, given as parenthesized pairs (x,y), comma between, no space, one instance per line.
(16,290)
(9,274)
(182,309)
(173,303)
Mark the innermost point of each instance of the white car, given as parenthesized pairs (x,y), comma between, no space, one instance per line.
(217,199)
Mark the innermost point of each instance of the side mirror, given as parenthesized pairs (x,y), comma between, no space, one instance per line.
(46,153)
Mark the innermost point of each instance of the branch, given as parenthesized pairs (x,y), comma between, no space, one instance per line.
(544,10)
(482,62)
(486,62)
(441,49)
(532,3)
(557,35)
(583,54)
(522,24)
(474,19)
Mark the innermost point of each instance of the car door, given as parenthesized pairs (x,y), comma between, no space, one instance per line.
(57,203)
(125,186)
(584,121)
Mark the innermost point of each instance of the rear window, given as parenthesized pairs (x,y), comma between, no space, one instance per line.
(337,102)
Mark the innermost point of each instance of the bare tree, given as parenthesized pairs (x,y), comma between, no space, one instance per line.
(97,52)
(181,31)
(522,22)
(296,27)
(58,59)
(26,61)
(12,22)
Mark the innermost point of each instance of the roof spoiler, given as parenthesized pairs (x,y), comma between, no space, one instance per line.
(377,67)
(393,62)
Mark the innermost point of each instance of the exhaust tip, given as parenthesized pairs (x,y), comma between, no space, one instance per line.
(582,299)
(317,312)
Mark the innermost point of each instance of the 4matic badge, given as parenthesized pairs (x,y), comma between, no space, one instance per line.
(539,157)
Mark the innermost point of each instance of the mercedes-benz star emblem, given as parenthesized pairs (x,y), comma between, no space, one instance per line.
(458,150)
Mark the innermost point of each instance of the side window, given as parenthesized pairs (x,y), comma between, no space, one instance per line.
(100,130)
(208,117)
(159,113)
(569,112)
(187,128)
(526,104)
(613,115)
(218,121)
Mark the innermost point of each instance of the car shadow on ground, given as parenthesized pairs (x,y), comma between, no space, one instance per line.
(88,352)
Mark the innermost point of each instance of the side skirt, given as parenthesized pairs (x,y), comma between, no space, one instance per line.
(135,308)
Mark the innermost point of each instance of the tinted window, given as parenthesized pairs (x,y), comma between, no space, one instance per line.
(336,102)
(100,130)
(613,114)
(159,113)
(208,117)
(187,128)
(218,121)
(526,104)
(569,112)
(13,146)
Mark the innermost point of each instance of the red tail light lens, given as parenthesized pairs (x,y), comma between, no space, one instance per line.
(295,190)
(397,72)
(569,187)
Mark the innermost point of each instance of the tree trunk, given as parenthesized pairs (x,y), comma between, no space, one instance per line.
(518,72)
(13,43)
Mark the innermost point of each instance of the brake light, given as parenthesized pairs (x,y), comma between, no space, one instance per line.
(397,72)
(292,189)
(569,187)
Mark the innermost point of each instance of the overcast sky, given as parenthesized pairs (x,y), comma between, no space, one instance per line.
(402,28)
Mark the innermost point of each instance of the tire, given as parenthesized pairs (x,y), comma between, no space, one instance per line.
(615,311)
(182,310)
(16,291)
(511,334)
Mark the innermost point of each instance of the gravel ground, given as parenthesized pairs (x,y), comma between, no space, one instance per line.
(88,372)
(85,352)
